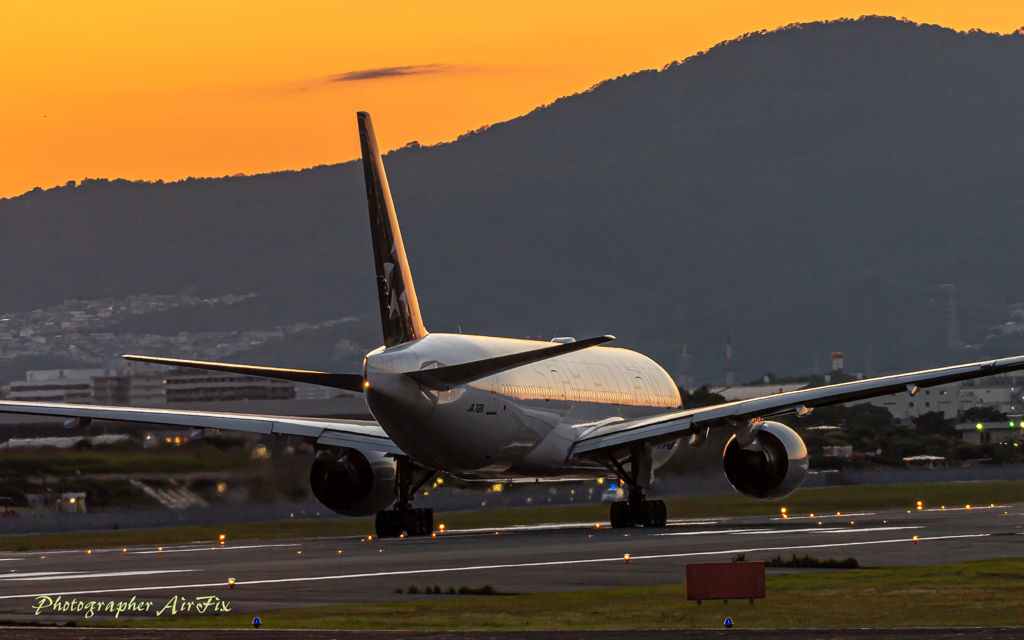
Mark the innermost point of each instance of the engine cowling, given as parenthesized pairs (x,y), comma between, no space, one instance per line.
(773,468)
(353,482)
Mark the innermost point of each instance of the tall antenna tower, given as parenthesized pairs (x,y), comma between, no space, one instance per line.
(953,341)
(730,380)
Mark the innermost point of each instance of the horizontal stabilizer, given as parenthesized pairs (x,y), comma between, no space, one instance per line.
(346,381)
(445,378)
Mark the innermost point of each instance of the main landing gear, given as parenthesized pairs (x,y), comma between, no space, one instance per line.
(402,518)
(635,510)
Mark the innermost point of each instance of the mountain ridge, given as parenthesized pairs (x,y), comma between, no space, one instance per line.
(807,188)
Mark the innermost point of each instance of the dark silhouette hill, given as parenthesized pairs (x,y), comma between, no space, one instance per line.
(807,189)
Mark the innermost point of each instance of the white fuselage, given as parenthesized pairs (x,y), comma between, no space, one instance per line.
(517,424)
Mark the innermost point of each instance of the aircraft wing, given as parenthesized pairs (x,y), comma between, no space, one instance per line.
(365,435)
(669,426)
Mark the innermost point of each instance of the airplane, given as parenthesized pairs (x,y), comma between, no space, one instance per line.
(498,409)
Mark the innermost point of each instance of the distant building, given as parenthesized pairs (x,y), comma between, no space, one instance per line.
(57,385)
(111,390)
(152,385)
(316,392)
(732,394)
(192,385)
(952,400)
(156,384)
(42,500)
(147,384)
(72,503)
(906,407)
(991,432)
(1005,398)
(837,361)
(927,462)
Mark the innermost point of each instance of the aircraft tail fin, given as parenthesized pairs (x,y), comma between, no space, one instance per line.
(399,309)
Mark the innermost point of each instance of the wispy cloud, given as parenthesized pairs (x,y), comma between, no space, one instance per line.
(389,72)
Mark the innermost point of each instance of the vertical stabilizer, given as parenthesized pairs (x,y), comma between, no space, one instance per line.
(399,309)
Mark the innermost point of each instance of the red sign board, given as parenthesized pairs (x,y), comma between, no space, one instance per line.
(725,581)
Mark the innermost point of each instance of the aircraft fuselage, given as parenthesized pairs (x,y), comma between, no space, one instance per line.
(516,424)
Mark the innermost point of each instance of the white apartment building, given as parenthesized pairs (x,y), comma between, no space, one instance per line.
(147,384)
(305,391)
(951,400)
(152,384)
(57,385)
(190,385)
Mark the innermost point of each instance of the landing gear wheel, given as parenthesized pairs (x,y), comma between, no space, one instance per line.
(652,513)
(411,522)
(622,515)
(424,522)
(649,513)
(386,524)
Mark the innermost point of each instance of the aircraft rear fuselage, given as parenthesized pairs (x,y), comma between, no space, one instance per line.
(518,423)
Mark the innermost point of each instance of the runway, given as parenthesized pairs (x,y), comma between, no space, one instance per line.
(273,574)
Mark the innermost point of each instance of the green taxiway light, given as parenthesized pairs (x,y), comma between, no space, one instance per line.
(978,425)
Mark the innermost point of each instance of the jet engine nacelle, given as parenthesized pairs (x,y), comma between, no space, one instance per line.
(353,482)
(773,467)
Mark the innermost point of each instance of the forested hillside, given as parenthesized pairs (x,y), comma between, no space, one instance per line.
(807,189)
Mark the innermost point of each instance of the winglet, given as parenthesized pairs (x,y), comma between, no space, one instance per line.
(399,308)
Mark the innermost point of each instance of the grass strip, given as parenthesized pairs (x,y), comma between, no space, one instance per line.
(817,501)
(973,594)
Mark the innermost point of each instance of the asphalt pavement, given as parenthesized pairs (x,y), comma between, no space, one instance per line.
(273,574)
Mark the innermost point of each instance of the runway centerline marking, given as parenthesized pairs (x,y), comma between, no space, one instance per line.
(522,565)
(825,530)
(71,575)
(557,526)
(751,532)
(248,546)
(824,515)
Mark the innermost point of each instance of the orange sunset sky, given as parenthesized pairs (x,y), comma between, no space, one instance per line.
(167,90)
